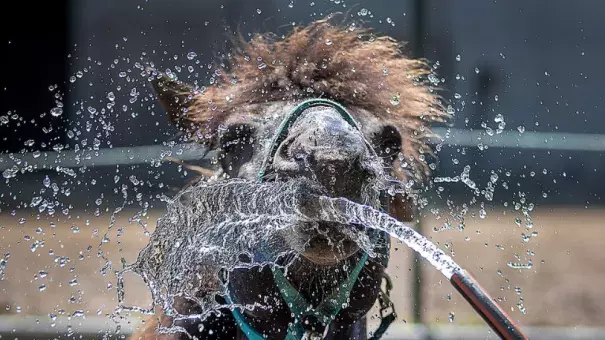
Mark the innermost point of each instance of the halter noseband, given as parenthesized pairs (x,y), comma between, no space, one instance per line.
(282,130)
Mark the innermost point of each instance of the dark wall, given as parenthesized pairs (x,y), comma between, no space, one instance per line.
(33,58)
(541,59)
(539,66)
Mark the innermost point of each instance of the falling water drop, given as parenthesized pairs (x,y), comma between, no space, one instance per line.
(56,111)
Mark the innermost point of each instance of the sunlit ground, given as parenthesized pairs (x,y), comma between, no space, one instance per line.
(563,290)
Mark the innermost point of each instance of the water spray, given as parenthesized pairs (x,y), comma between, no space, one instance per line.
(202,231)
(344,211)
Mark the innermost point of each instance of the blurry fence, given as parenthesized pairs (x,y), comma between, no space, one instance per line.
(89,328)
(191,152)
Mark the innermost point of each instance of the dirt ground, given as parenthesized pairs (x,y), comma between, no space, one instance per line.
(563,288)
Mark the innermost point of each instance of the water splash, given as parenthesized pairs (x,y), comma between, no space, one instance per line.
(208,226)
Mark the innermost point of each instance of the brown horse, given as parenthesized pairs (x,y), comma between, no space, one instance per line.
(389,95)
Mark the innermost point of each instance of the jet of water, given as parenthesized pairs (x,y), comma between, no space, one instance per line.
(344,211)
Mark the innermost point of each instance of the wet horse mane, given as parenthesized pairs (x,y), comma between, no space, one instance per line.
(351,65)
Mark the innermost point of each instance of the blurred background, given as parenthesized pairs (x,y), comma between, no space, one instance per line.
(82,136)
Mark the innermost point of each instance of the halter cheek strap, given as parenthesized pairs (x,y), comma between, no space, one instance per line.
(328,309)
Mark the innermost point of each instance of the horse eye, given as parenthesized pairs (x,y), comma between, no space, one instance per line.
(236,147)
(388,142)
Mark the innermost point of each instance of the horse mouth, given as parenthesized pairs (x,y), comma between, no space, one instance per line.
(329,243)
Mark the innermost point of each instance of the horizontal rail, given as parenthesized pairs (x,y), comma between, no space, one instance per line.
(453,331)
(40,327)
(525,140)
(187,152)
(102,157)
(43,326)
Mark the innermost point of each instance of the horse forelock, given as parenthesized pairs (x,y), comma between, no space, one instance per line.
(351,65)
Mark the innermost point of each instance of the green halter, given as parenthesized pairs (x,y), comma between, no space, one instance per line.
(326,311)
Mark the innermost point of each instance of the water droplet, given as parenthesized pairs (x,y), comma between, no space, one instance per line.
(477,70)
(458,58)
(451,316)
(42,287)
(10,173)
(363,12)
(514,265)
(394,100)
(521,128)
(258,10)
(46,181)
(56,111)
(35,201)
(77,313)
(191,55)
(328,42)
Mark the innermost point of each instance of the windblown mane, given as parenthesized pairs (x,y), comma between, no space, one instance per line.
(347,64)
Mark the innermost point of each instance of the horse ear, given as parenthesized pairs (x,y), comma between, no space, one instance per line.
(174,96)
